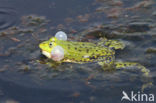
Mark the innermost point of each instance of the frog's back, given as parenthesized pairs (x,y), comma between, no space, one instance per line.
(85,52)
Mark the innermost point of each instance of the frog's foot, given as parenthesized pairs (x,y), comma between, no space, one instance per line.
(116,44)
(106,66)
(53,64)
(146,85)
(50,63)
(146,78)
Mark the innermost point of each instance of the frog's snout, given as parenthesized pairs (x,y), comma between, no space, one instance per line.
(42,45)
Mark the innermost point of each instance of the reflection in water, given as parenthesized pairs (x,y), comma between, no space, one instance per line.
(8,18)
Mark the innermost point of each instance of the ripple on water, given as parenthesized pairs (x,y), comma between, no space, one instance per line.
(8,17)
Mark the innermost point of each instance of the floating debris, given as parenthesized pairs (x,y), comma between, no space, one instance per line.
(10,101)
(83,18)
(60,27)
(76,94)
(14,39)
(138,27)
(151,50)
(142,4)
(114,12)
(69,20)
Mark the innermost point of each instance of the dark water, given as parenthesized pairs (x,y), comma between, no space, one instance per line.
(24,80)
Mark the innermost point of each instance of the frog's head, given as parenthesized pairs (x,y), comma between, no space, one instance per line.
(47,46)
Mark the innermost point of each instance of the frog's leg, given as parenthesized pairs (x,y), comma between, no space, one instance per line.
(144,70)
(119,65)
(116,44)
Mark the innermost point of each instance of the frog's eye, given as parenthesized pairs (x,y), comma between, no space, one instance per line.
(50,44)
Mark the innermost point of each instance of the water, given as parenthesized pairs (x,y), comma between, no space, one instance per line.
(7,14)
(23,24)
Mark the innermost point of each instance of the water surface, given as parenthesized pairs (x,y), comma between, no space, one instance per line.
(23,24)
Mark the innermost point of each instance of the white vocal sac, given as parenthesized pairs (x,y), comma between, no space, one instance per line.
(60,35)
(57,54)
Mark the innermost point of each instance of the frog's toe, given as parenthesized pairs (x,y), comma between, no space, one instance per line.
(146,85)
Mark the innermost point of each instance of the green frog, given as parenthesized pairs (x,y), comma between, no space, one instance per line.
(102,52)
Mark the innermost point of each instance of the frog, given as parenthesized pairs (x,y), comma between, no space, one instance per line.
(102,52)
